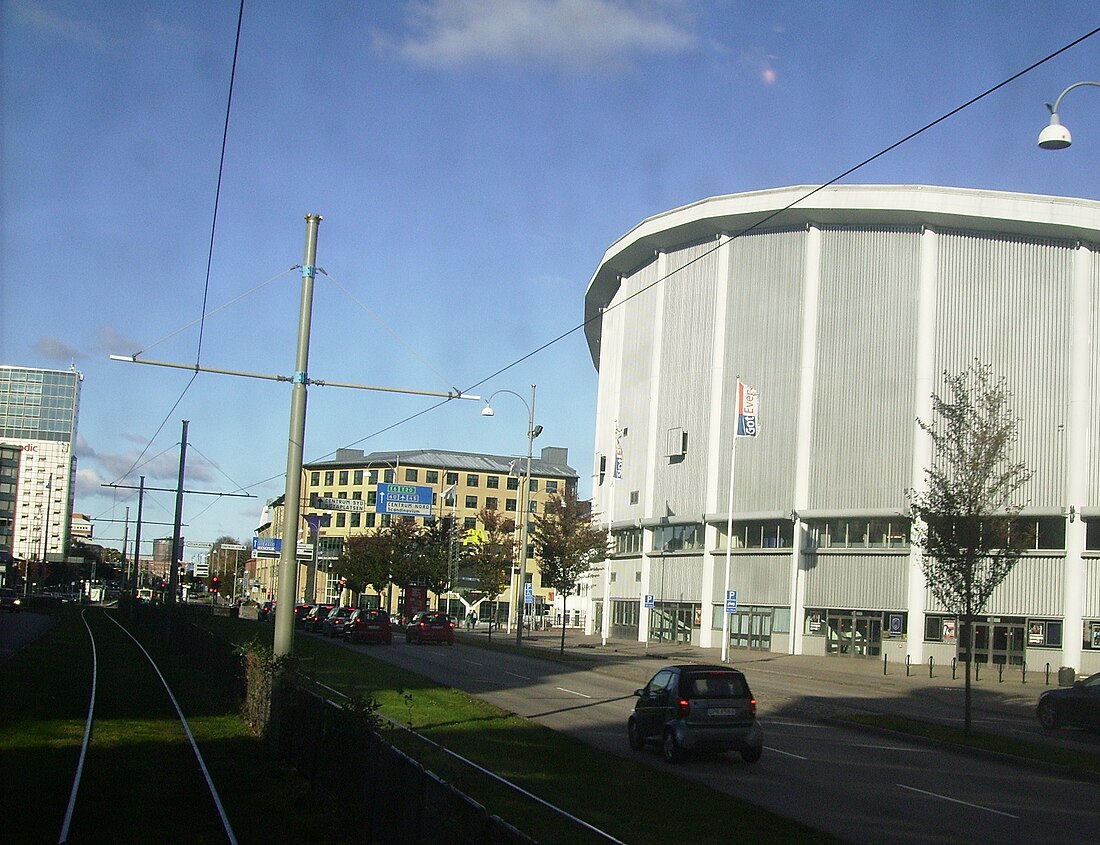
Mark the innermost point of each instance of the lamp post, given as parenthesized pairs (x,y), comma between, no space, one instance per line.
(1055,136)
(533,431)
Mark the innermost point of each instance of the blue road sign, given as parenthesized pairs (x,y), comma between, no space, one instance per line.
(731,601)
(528,593)
(404,500)
(649,601)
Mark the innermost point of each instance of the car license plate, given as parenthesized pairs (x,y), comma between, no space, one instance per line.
(722,711)
(373,627)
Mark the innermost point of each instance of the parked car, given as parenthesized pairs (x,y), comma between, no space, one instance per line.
(368,624)
(316,616)
(430,626)
(1078,705)
(333,624)
(10,600)
(301,611)
(696,708)
(266,613)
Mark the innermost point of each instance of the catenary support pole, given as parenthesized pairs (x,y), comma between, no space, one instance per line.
(292,501)
(177,544)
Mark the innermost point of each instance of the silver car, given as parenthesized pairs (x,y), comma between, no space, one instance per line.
(696,708)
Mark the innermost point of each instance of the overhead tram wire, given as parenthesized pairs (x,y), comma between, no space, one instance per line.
(213,228)
(734,236)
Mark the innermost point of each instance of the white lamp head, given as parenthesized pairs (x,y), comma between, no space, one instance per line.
(1055,136)
(487,411)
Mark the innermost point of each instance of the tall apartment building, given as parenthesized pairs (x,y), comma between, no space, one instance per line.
(38,415)
(462,482)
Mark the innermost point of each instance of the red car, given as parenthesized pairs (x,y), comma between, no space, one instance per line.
(368,625)
(430,626)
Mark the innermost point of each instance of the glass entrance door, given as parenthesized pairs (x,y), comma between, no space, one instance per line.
(995,642)
(867,641)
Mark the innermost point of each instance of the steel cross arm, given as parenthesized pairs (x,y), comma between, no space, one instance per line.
(189,492)
(198,368)
(143,522)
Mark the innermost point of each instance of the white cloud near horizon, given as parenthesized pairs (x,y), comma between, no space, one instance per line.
(57,350)
(569,34)
(46,20)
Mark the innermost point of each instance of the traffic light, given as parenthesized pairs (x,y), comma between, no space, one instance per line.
(215,584)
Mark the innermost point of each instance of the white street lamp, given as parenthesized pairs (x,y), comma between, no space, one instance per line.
(1055,136)
(533,431)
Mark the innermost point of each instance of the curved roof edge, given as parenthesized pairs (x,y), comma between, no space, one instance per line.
(972,209)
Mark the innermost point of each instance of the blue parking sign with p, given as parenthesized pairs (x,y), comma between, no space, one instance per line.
(731,601)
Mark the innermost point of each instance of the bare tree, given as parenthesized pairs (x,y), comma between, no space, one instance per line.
(965,519)
(568,543)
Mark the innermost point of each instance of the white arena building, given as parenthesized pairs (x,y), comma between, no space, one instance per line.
(841,307)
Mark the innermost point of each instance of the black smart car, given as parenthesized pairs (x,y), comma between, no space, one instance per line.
(696,708)
(1078,705)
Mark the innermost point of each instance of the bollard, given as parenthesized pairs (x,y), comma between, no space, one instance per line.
(1046,678)
(1000,673)
(907,661)
(885,660)
(931,663)
(1023,672)
(977,670)
(954,666)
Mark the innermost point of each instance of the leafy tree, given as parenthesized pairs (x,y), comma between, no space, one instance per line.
(490,550)
(431,555)
(965,518)
(366,561)
(568,543)
(225,563)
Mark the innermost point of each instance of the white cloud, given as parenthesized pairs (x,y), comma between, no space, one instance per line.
(569,34)
(112,343)
(46,20)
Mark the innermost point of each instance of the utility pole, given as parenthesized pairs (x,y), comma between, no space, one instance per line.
(177,546)
(292,499)
(137,538)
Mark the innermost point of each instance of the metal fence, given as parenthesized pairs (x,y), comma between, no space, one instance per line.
(374,792)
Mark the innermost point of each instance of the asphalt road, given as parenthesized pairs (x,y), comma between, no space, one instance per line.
(863,787)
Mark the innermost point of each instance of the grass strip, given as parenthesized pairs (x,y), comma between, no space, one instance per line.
(1076,761)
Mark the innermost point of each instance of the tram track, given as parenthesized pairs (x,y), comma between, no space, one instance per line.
(137,741)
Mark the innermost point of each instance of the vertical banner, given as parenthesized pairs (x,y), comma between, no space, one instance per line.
(617,471)
(748,402)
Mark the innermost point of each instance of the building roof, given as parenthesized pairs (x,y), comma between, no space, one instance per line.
(552,462)
(968,209)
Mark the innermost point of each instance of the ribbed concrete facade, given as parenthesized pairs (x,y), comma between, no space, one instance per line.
(843,309)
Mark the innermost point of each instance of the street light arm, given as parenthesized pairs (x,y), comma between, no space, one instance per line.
(1058,102)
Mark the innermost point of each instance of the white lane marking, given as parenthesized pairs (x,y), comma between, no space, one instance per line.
(521,677)
(473,662)
(955,800)
(786,753)
(908,749)
(572,692)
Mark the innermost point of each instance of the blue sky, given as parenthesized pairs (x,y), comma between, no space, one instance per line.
(472,159)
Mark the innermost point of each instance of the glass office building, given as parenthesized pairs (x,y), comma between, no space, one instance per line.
(38,417)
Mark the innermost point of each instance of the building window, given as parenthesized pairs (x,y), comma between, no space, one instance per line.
(1090,637)
(452,478)
(492,481)
(389,476)
(469,522)
(357,477)
(341,520)
(1048,532)
(551,487)
(411,475)
(372,498)
(627,541)
(431,476)
(491,503)
(633,497)
(513,482)
(472,480)
(534,487)
(370,520)
(356,519)
(532,506)
(315,479)
(777,534)
(1044,633)
(330,477)
(471,502)
(509,504)
(677,538)
(860,533)
(344,477)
